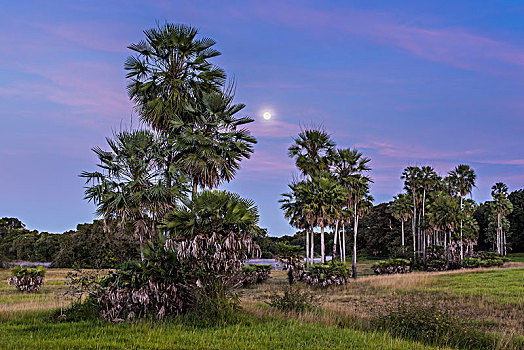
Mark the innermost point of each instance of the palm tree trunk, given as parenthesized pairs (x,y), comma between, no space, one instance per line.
(355,229)
(322,246)
(413,219)
(343,245)
(335,238)
(312,255)
(402,236)
(307,247)
(419,237)
(499,238)
(195,188)
(504,242)
(461,244)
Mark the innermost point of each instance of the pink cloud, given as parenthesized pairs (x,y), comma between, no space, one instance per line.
(454,46)
(95,91)
(264,165)
(273,129)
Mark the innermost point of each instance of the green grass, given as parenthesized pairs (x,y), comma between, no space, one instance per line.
(251,333)
(516,257)
(502,286)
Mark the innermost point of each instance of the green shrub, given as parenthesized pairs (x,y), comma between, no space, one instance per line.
(27,279)
(433,326)
(471,262)
(335,272)
(437,265)
(293,299)
(491,262)
(254,274)
(392,266)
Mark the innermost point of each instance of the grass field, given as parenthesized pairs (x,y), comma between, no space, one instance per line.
(490,300)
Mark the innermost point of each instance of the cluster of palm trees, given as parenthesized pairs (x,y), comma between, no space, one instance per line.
(331,191)
(192,135)
(439,212)
(500,208)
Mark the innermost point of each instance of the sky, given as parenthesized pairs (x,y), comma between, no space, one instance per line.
(405,82)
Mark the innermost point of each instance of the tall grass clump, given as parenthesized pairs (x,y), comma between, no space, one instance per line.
(433,326)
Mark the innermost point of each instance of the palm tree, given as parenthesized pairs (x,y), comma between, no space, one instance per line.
(411,177)
(445,212)
(402,210)
(361,202)
(311,151)
(212,233)
(210,150)
(295,206)
(428,180)
(463,180)
(349,166)
(501,206)
(131,186)
(328,197)
(170,70)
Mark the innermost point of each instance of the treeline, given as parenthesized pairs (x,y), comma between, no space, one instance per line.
(89,246)
(380,232)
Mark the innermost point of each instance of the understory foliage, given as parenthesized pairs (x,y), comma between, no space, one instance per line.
(392,266)
(433,326)
(290,257)
(436,261)
(294,299)
(324,275)
(255,274)
(27,279)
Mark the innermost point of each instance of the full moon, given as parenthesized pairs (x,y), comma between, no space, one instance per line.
(267,116)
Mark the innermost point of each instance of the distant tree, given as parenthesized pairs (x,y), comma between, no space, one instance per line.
(311,150)
(462,181)
(411,177)
(402,210)
(516,219)
(501,207)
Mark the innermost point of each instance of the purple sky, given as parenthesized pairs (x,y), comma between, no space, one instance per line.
(417,83)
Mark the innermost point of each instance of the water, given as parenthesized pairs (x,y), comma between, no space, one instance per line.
(26,264)
(275,264)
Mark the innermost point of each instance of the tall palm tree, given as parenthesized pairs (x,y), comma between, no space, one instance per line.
(501,206)
(131,186)
(361,202)
(328,196)
(445,213)
(210,150)
(402,210)
(411,177)
(311,151)
(295,206)
(463,180)
(349,165)
(428,180)
(170,70)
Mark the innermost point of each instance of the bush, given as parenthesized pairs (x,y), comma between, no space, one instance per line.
(471,263)
(491,262)
(27,280)
(433,326)
(293,299)
(334,272)
(392,266)
(437,265)
(254,274)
